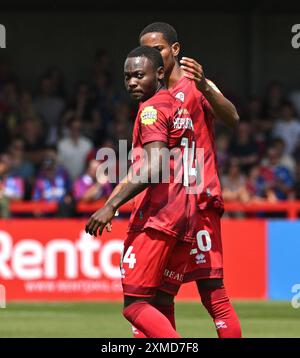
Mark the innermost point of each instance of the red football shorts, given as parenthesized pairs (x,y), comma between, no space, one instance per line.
(205,258)
(144,260)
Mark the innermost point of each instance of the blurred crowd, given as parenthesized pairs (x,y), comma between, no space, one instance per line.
(49,138)
(260,161)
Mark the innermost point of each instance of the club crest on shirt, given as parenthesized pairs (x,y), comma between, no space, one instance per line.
(148,115)
(180,96)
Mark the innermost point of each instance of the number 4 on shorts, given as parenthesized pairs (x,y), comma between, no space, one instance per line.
(129,258)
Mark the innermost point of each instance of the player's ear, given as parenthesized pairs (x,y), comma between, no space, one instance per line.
(176,49)
(160,73)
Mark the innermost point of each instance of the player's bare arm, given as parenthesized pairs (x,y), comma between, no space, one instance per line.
(115,191)
(125,191)
(223,109)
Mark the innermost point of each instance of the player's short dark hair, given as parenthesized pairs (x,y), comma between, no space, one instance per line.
(168,31)
(149,52)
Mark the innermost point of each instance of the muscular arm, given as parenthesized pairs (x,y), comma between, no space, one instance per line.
(126,190)
(222,108)
(117,189)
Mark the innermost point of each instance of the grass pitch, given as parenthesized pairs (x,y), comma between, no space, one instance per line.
(258,319)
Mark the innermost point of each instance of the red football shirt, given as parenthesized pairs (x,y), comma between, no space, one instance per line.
(163,206)
(203,119)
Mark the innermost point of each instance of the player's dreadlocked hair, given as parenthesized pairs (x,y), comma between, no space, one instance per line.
(151,53)
(168,31)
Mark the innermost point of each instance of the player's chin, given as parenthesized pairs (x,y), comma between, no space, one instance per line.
(138,96)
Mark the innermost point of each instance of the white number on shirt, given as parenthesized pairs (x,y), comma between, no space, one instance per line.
(129,258)
(201,245)
(188,161)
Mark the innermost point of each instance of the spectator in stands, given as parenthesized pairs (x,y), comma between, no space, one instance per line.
(88,187)
(286,160)
(4,132)
(56,76)
(33,134)
(296,153)
(11,187)
(243,147)
(273,100)
(82,102)
(52,183)
(26,107)
(261,126)
(7,73)
(277,177)
(257,186)
(103,90)
(254,109)
(20,167)
(49,107)
(288,128)
(106,143)
(97,128)
(83,106)
(296,191)
(10,98)
(294,97)
(223,152)
(234,184)
(73,149)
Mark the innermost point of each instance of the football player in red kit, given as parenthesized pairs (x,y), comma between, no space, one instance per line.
(159,216)
(203,100)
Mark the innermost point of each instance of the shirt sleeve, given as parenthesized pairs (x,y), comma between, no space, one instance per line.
(154,125)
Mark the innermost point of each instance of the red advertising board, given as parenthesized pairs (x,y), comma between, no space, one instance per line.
(55,260)
(245,258)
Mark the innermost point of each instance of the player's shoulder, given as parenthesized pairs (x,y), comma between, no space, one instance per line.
(162,101)
(163,98)
(185,90)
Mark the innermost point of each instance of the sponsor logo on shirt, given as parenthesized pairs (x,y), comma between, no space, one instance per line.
(148,115)
(174,275)
(183,123)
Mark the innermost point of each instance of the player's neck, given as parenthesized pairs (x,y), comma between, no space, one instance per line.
(175,75)
(160,87)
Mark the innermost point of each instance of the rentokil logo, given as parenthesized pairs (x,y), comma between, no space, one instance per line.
(2,36)
(30,259)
